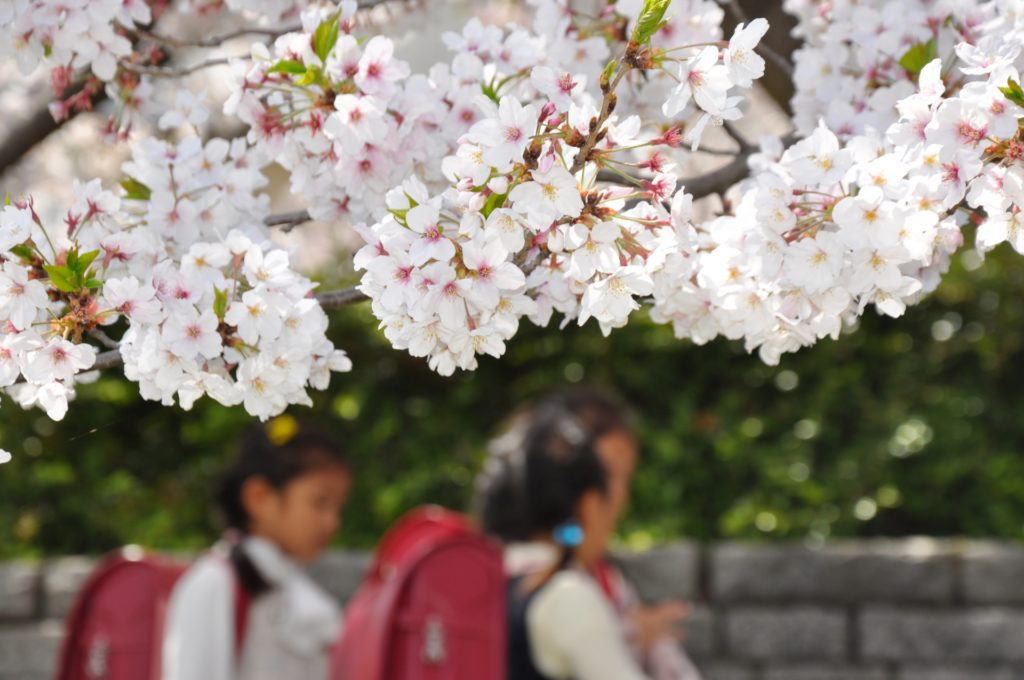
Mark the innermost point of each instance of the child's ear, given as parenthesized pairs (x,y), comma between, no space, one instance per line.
(256,496)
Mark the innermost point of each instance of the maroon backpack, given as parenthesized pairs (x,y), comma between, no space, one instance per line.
(115,628)
(432,606)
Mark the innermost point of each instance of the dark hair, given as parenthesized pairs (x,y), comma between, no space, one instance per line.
(278,452)
(545,461)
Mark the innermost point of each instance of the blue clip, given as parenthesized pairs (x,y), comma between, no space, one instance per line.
(569,535)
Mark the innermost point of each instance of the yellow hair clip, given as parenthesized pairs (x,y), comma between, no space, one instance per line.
(281,429)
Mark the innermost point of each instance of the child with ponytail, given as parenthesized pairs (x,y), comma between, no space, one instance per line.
(556,484)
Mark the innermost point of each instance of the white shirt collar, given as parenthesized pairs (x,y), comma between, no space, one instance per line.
(521,558)
(308,619)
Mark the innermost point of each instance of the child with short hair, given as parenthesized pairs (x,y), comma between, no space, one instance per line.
(281,500)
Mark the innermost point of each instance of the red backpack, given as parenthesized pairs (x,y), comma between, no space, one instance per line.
(432,606)
(115,628)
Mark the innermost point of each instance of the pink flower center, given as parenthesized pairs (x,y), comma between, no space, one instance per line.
(952,173)
(970,134)
(566,83)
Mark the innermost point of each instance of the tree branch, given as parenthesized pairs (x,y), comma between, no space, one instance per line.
(336,299)
(737,136)
(103,338)
(37,127)
(287,221)
(717,181)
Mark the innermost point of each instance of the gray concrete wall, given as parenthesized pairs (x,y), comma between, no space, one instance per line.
(910,609)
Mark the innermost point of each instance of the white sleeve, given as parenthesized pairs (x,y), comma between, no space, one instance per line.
(574,632)
(199,630)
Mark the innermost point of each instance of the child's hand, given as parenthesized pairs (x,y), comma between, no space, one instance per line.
(651,622)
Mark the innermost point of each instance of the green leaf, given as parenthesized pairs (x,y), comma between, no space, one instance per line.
(220,303)
(650,20)
(312,75)
(71,260)
(1013,92)
(490,93)
(135,190)
(919,56)
(61,277)
(296,68)
(7,198)
(325,38)
(93,283)
(23,251)
(86,259)
(493,201)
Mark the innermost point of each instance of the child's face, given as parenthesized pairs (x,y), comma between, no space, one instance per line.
(618,452)
(599,512)
(302,517)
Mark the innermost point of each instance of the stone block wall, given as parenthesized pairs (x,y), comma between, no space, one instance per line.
(908,609)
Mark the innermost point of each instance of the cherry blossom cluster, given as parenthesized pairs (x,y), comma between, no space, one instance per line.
(231,321)
(70,34)
(525,228)
(334,113)
(861,58)
(836,223)
(180,265)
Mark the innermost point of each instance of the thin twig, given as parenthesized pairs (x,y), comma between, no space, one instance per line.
(287,221)
(737,136)
(178,72)
(606,109)
(711,151)
(718,181)
(780,61)
(715,182)
(103,338)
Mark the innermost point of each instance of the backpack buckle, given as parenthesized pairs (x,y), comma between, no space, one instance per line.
(96,664)
(433,641)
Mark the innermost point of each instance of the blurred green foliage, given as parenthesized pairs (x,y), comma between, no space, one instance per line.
(906,426)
